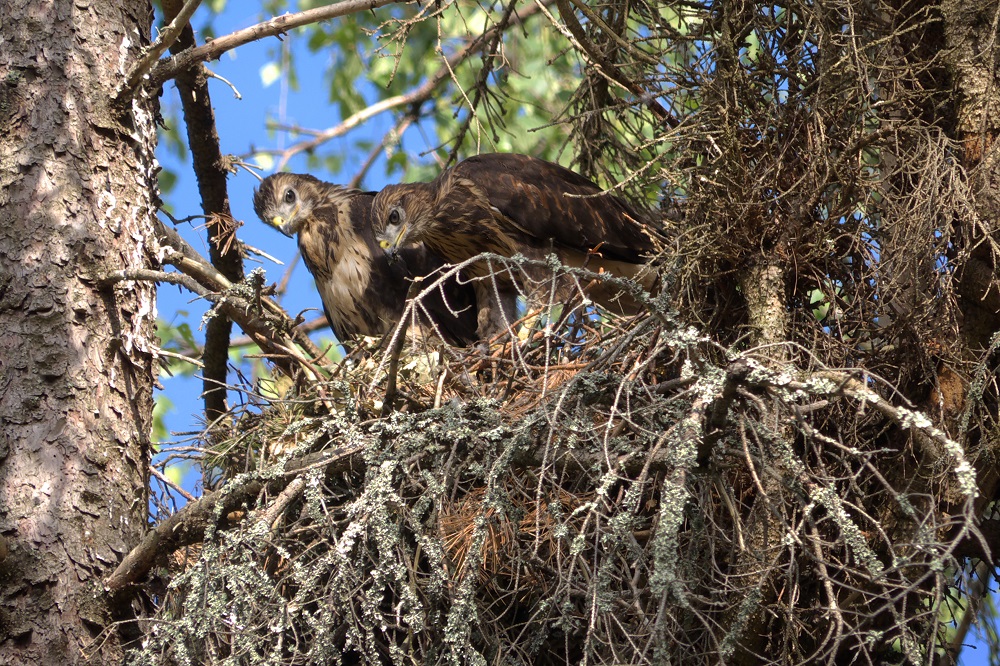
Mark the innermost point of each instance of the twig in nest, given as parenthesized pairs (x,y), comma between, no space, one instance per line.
(188,525)
(398,340)
(281,503)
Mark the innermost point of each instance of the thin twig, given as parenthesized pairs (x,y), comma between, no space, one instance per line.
(181,357)
(171,67)
(390,136)
(398,340)
(281,503)
(173,486)
(414,97)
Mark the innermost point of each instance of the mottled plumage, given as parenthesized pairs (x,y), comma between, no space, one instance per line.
(508,204)
(363,292)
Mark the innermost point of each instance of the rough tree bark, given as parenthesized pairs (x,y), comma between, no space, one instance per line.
(970,33)
(970,38)
(77,180)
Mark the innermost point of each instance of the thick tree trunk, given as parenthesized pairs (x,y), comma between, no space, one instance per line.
(77,181)
(970,36)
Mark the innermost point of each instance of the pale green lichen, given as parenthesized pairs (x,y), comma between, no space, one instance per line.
(567,550)
(748,608)
(850,532)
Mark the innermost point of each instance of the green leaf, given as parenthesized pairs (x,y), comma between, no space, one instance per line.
(264,161)
(270,73)
(175,473)
(166,180)
(318,39)
(185,332)
(162,406)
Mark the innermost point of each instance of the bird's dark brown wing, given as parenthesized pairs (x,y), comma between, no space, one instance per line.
(531,193)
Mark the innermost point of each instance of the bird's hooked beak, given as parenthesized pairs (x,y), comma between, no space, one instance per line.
(278,223)
(391,238)
(285,227)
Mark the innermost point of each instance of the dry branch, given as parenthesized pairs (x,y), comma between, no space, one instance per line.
(163,42)
(188,525)
(211,171)
(276,333)
(187,260)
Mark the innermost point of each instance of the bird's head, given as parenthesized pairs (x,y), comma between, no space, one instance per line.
(284,201)
(399,216)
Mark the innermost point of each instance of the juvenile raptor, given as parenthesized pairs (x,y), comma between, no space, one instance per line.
(511,204)
(363,292)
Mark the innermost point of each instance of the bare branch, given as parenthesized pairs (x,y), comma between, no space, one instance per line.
(392,136)
(414,97)
(163,42)
(168,69)
(148,275)
(417,95)
(170,484)
(213,286)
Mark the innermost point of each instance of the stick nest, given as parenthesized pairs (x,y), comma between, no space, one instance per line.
(612,491)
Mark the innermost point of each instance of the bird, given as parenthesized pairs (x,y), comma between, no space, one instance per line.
(363,292)
(509,204)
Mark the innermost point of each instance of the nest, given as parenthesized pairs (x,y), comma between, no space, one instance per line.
(592,490)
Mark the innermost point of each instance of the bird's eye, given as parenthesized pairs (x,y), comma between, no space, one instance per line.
(289,196)
(394,216)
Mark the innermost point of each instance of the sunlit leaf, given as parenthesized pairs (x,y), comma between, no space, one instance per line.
(270,73)
(264,161)
(185,332)
(162,405)
(166,180)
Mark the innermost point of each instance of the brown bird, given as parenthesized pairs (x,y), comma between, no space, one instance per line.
(514,204)
(363,292)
